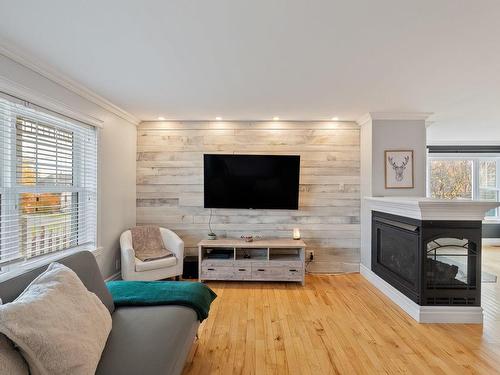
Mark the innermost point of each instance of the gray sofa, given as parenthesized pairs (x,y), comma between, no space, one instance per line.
(144,340)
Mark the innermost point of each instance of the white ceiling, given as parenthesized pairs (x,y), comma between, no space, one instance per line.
(297,59)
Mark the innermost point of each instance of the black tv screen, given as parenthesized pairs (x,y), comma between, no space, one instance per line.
(251,181)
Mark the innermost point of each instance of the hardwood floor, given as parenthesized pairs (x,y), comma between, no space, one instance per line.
(338,325)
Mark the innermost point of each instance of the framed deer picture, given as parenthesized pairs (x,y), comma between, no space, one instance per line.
(399,169)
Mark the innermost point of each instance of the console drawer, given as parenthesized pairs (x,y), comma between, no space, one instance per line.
(243,272)
(217,272)
(294,273)
(267,273)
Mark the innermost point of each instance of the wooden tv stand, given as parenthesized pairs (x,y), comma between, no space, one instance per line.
(260,260)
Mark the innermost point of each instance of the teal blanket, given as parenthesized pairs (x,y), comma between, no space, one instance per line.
(197,296)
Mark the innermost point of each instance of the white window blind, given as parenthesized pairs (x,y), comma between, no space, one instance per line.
(48,183)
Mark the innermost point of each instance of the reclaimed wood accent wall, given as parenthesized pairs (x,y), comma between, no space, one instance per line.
(170,183)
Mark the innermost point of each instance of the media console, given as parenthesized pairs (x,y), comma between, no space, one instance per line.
(261,260)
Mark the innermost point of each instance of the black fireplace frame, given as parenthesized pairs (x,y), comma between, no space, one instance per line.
(416,234)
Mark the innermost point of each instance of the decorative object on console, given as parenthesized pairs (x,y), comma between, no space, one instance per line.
(296,234)
(211,234)
(250,237)
(399,169)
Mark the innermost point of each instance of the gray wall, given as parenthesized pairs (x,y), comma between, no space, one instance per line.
(117,159)
(376,137)
(170,183)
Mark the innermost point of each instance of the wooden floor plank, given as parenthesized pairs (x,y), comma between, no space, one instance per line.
(339,324)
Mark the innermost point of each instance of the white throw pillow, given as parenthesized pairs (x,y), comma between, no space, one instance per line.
(58,324)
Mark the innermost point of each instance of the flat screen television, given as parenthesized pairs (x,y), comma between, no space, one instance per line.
(251,181)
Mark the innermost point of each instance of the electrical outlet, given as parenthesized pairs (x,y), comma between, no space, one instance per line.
(117,264)
(309,255)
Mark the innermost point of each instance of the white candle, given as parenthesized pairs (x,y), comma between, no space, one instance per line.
(296,234)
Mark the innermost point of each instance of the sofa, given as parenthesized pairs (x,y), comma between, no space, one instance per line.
(144,340)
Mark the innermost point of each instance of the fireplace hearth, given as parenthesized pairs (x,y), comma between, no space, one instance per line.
(432,262)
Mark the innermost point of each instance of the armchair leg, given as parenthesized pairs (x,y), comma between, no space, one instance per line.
(177,278)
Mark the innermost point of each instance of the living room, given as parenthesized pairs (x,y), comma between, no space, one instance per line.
(249,187)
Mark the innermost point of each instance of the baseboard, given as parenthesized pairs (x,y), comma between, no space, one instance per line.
(115,276)
(451,314)
(410,307)
(424,314)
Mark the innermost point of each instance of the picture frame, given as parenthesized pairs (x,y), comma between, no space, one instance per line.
(399,169)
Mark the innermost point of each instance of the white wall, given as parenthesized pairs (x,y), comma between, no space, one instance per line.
(117,165)
(376,137)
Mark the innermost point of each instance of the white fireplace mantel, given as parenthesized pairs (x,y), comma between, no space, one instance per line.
(432,209)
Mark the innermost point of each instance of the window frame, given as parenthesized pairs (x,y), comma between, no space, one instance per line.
(476,159)
(11,190)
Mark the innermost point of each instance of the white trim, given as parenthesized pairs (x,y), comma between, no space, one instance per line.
(463,143)
(422,208)
(394,116)
(115,276)
(48,72)
(26,94)
(364,119)
(23,267)
(424,314)
(451,314)
(400,115)
(491,241)
(410,307)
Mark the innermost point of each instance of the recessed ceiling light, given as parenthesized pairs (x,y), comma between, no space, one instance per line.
(218,118)
(276,118)
(161,118)
(335,118)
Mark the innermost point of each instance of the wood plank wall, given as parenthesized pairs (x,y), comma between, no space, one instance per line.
(170,183)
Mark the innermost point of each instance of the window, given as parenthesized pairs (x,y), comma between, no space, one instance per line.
(48,184)
(466,177)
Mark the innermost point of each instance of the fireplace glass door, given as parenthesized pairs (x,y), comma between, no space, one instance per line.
(450,263)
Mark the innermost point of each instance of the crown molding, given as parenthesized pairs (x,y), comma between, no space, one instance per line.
(26,94)
(68,83)
(423,116)
(364,119)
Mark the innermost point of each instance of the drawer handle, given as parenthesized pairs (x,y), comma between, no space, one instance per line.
(294,270)
(242,269)
(211,269)
(261,270)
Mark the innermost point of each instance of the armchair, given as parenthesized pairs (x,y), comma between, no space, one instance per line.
(135,269)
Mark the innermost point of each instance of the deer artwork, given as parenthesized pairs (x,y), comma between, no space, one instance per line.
(399,169)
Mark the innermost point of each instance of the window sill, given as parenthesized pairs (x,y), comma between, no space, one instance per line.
(23,267)
(491,221)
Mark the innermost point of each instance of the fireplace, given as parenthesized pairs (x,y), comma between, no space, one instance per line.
(432,262)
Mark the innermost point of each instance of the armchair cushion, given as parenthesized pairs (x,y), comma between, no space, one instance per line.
(141,266)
